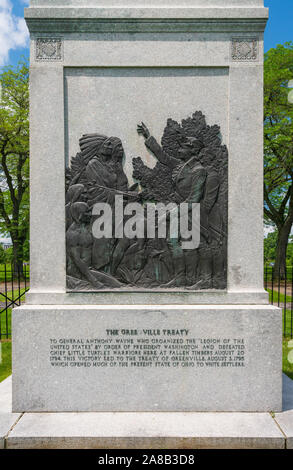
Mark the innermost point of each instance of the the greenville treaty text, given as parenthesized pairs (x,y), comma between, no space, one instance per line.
(158,348)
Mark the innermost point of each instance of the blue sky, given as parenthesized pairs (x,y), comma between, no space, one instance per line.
(14,36)
(280,25)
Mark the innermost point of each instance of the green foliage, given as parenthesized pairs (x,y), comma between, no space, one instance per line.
(8,255)
(278,145)
(290,252)
(2,254)
(5,321)
(8,275)
(5,364)
(287,366)
(26,250)
(14,156)
(279,297)
(270,243)
(278,115)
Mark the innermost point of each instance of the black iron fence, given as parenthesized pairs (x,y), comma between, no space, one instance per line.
(280,288)
(14,283)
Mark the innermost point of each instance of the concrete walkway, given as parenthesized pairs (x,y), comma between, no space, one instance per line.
(146,430)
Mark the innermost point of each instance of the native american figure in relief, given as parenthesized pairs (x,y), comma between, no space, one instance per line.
(191,168)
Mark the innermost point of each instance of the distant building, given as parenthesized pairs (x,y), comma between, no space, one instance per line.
(6,243)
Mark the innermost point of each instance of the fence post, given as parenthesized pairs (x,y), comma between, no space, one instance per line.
(10,298)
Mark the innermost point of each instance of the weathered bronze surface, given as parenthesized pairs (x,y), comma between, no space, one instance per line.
(192,167)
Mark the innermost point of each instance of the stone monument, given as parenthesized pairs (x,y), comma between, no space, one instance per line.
(146,211)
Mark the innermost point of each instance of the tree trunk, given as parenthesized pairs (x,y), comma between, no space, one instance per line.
(281,250)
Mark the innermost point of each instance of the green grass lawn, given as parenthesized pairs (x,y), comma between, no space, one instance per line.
(282,297)
(16,294)
(5,324)
(5,363)
(287,366)
(8,275)
(287,323)
(5,327)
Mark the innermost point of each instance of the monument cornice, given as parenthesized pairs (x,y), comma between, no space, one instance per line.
(153,20)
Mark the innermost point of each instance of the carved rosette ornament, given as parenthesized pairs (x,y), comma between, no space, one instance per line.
(49,49)
(244,49)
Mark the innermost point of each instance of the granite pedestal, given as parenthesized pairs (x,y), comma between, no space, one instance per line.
(97,68)
(146,430)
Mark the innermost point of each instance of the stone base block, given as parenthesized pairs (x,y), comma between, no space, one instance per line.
(146,431)
(7,419)
(147,358)
(285,419)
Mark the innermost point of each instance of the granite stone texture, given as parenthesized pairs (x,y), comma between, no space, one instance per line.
(91,61)
(7,418)
(62,94)
(167,3)
(185,49)
(140,16)
(5,395)
(140,13)
(146,431)
(150,19)
(174,369)
(285,419)
(98,78)
(154,297)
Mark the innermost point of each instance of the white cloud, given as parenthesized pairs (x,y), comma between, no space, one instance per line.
(268,229)
(13,31)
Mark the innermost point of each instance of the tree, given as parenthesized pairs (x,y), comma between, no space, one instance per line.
(14,156)
(8,255)
(270,243)
(278,147)
(2,254)
(290,252)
